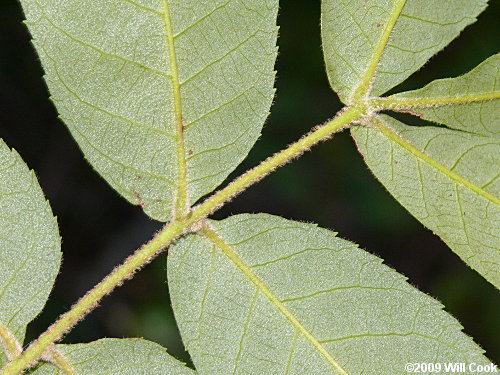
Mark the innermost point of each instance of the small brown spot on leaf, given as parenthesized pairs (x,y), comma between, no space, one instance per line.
(190,152)
(141,202)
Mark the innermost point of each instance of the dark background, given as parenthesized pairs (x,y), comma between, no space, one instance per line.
(330,186)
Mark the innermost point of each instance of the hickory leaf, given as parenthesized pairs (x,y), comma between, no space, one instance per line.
(114,356)
(373,45)
(165,98)
(30,253)
(258,294)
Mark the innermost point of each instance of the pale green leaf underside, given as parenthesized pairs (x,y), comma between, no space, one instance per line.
(265,295)
(473,100)
(117,357)
(362,47)
(30,248)
(447,179)
(111,73)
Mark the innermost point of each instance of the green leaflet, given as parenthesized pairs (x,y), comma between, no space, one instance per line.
(30,253)
(164,97)
(445,178)
(373,45)
(116,357)
(464,103)
(264,295)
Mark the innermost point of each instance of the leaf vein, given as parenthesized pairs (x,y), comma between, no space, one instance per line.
(252,277)
(104,52)
(181,195)
(388,132)
(246,325)
(201,19)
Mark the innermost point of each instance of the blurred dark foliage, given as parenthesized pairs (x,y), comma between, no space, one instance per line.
(330,186)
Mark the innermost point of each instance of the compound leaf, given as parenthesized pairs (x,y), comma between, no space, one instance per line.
(164,97)
(373,45)
(117,357)
(30,247)
(258,294)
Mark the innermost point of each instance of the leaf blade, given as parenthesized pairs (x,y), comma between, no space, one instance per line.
(30,253)
(116,84)
(117,356)
(384,40)
(340,294)
(262,288)
(446,179)
(469,103)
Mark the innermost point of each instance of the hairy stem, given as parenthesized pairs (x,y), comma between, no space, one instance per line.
(88,302)
(169,233)
(296,149)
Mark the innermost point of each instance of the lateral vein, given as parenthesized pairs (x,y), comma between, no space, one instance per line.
(392,135)
(213,237)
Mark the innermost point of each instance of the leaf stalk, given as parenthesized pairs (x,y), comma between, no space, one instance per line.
(170,233)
